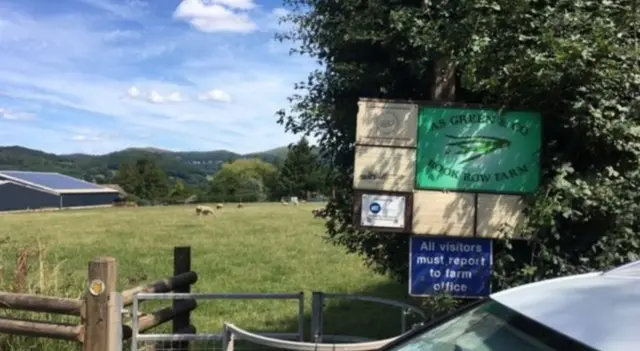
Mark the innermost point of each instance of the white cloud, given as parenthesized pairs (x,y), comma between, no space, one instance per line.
(134,92)
(280,12)
(176,96)
(85,138)
(154,97)
(215,95)
(214,17)
(15,116)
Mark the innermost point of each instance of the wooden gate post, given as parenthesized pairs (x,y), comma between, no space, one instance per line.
(98,314)
(181,323)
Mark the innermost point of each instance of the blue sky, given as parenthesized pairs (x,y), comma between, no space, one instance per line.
(96,76)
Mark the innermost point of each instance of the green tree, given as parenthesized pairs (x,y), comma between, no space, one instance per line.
(301,173)
(143,179)
(574,61)
(243,180)
(178,192)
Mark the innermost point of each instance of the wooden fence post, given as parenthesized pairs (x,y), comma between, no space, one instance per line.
(98,314)
(181,324)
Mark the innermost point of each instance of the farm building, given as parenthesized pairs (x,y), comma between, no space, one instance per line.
(37,190)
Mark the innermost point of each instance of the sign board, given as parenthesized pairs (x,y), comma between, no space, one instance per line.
(439,213)
(383,211)
(499,215)
(460,267)
(480,150)
(384,123)
(384,168)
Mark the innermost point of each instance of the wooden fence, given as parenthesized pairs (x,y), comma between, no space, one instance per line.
(98,312)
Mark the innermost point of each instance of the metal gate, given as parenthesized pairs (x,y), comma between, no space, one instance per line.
(228,339)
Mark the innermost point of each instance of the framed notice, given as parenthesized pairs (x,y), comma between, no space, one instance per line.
(386,123)
(383,211)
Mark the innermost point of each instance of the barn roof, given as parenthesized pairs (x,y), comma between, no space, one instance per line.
(54,183)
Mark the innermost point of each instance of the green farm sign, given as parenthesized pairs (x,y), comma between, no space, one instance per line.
(481,150)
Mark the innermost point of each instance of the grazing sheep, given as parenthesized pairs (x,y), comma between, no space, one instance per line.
(199,210)
(206,210)
(240,205)
(284,203)
(219,206)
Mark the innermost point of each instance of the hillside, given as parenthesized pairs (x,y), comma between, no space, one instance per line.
(192,167)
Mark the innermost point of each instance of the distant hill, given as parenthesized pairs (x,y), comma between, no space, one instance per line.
(192,167)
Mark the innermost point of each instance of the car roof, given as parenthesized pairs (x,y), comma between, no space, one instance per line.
(600,309)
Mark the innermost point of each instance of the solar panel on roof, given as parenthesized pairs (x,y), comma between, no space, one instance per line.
(51,180)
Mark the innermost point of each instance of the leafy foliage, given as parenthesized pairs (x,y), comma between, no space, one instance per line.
(144,179)
(574,61)
(243,181)
(302,173)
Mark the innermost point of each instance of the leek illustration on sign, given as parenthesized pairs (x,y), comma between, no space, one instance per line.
(485,149)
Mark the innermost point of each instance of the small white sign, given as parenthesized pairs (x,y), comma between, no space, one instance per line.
(384,211)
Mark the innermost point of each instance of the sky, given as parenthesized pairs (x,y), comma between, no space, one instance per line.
(96,76)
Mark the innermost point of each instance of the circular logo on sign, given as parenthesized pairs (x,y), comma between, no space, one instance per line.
(387,123)
(375,208)
(96,287)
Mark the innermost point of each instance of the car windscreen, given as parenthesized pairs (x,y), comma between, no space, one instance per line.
(490,326)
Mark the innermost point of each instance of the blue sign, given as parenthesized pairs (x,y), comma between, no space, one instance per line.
(459,267)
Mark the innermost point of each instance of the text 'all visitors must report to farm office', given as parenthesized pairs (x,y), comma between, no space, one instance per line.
(460,267)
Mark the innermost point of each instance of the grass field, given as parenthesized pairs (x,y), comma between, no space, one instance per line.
(257,249)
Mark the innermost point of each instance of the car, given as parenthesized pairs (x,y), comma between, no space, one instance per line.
(597,311)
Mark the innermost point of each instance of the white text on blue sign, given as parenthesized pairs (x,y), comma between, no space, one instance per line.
(458,267)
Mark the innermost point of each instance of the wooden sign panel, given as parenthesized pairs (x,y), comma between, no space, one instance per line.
(384,168)
(383,211)
(499,215)
(383,123)
(443,214)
